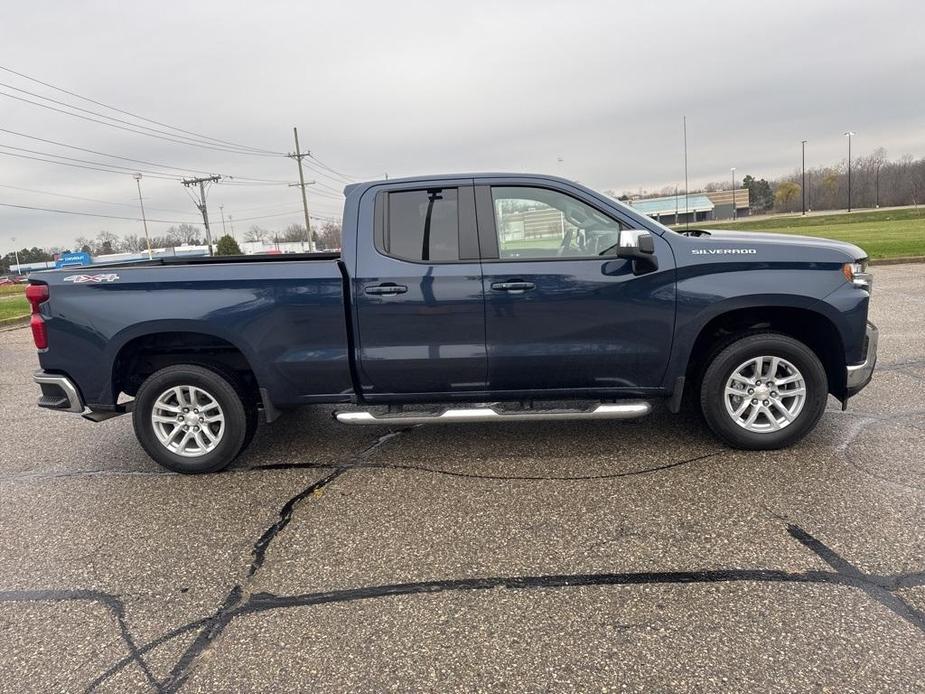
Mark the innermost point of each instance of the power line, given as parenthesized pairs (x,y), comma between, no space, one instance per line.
(346,177)
(123,121)
(159,221)
(102,154)
(128,169)
(81,166)
(90,214)
(135,115)
(96,200)
(164,175)
(133,130)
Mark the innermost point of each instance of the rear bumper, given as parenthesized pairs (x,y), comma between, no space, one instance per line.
(858,375)
(58,393)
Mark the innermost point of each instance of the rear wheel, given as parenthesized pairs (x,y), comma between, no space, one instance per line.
(763,391)
(191,419)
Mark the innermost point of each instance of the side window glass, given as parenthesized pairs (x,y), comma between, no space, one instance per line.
(536,223)
(423,225)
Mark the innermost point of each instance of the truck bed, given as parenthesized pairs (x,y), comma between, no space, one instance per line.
(285,314)
(209,260)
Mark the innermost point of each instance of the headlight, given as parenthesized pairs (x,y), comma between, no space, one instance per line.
(857,274)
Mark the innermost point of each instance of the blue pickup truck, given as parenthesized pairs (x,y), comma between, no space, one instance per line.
(481,297)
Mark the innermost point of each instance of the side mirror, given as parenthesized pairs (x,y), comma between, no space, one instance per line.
(639,246)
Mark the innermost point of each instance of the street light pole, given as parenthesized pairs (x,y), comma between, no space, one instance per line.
(733,193)
(803,186)
(879,164)
(849,133)
(16,253)
(144,220)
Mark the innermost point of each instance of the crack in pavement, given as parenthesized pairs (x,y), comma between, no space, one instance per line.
(215,625)
(880,588)
(112,602)
(285,516)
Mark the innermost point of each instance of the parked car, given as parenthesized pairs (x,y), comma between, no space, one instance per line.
(456,291)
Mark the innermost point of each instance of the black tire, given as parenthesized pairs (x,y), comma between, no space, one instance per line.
(728,358)
(240,418)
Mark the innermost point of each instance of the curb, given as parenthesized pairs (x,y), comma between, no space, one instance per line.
(14,323)
(899,261)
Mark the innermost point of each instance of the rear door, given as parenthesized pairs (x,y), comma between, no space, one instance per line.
(418,292)
(562,311)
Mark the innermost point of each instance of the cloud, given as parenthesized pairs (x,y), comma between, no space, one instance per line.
(417,87)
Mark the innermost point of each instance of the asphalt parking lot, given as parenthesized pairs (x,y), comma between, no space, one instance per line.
(639,556)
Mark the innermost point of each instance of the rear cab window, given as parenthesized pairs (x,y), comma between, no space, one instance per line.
(419,225)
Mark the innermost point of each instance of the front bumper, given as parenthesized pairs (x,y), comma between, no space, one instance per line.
(858,375)
(58,392)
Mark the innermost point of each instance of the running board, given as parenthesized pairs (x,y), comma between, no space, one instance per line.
(625,410)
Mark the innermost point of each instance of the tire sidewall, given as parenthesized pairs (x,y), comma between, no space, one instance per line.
(218,387)
(712,396)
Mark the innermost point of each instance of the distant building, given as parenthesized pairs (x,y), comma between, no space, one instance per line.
(723,203)
(677,209)
(693,208)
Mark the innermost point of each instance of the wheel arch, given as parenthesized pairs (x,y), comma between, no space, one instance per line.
(139,351)
(804,323)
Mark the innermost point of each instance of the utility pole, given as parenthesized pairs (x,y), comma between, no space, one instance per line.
(849,133)
(803,142)
(201,204)
(879,164)
(144,219)
(231,222)
(221,209)
(298,155)
(16,253)
(733,193)
(687,212)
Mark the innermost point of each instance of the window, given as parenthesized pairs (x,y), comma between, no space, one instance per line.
(536,223)
(422,225)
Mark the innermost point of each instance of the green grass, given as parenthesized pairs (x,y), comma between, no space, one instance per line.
(12,289)
(883,234)
(13,307)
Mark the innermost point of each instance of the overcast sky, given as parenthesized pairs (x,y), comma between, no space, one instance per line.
(593,91)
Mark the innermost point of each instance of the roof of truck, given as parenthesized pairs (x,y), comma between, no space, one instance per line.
(455,176)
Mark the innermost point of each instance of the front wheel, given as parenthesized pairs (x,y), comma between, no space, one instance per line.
(763,391)
(191,419)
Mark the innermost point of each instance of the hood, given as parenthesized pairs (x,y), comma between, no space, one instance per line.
(758,239)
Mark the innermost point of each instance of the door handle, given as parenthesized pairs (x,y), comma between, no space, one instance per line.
(513,287)
(387,289)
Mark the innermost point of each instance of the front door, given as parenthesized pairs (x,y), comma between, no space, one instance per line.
(418,294)
(562,311)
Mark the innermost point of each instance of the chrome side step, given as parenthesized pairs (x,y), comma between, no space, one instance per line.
(622,410)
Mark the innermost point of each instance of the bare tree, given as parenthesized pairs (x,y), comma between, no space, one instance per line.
(132,243)
(294,232)
(185,234)
(106,242)
(330,236)
(255,233)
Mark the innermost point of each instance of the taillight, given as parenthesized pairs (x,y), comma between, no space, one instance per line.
(36,294)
